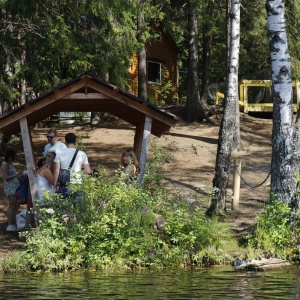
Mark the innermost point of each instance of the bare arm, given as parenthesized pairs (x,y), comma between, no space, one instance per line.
(56,173)
(87,169)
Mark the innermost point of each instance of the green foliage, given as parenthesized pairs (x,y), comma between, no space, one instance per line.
(5,91)
(162,91)
(160,157)
(254,50)
(115,226)
(63,39)
(276,233)
(295,66)
(80,145)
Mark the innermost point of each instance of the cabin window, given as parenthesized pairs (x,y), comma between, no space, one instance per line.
(154,72)
(157,35)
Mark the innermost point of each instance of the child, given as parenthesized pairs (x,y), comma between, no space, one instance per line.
(130,165)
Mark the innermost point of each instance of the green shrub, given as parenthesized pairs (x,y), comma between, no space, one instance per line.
(114,227)
(276,233)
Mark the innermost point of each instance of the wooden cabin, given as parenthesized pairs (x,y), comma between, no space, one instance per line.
(161,55)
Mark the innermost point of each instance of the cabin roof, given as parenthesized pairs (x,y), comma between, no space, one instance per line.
(88,93)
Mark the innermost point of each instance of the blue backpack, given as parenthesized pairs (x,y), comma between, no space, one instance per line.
(22,190)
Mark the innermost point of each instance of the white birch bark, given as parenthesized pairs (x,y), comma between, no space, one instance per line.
(228,125)
(232,88)
(283,167)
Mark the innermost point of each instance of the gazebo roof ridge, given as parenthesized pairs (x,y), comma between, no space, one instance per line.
(87,93)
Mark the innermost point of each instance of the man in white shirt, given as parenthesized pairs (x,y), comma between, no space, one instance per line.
(53,144)
(63,159)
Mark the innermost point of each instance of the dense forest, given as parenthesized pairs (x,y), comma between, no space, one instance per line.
(46,43)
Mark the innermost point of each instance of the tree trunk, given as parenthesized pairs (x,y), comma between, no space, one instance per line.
(193,95)
(296,163)
(228,124)
(22,65)
(207,41)
(142,74)
(207,47)
(23,91)
(206,60)
(237,136)
(142,62)
(3,145)
(285,156)
(228,30)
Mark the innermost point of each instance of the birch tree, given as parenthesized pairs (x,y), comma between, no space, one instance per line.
(228,124)
(285,138)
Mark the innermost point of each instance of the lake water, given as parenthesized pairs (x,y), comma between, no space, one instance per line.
(213,283)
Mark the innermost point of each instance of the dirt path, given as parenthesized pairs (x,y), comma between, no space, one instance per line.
(190,171)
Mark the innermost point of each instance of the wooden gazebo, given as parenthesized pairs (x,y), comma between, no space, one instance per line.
(87,93)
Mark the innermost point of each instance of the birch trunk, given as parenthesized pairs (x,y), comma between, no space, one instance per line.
(284,164)
(228,124)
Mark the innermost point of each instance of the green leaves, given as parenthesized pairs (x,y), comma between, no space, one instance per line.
(115,225)
(276,232)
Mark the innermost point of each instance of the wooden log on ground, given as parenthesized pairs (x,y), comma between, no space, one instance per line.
(262,264)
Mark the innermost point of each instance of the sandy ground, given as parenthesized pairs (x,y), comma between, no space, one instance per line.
(190,171)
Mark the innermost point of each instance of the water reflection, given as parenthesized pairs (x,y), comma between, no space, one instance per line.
(213,283)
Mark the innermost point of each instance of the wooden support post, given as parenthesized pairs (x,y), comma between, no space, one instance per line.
(29,157)
(138,139)
(144,150)
(236,184)
(241,94)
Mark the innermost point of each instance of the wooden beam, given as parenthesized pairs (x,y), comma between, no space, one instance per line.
(132,103)
(66,99)
(41,104)
(144,150)
(84,96)
(29,157)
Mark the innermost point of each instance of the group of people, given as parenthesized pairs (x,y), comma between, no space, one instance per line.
(57,157)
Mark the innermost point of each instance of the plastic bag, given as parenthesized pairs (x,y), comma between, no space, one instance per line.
(21,219)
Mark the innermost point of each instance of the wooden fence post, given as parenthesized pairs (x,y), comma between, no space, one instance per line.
(245,94)
(236,184)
